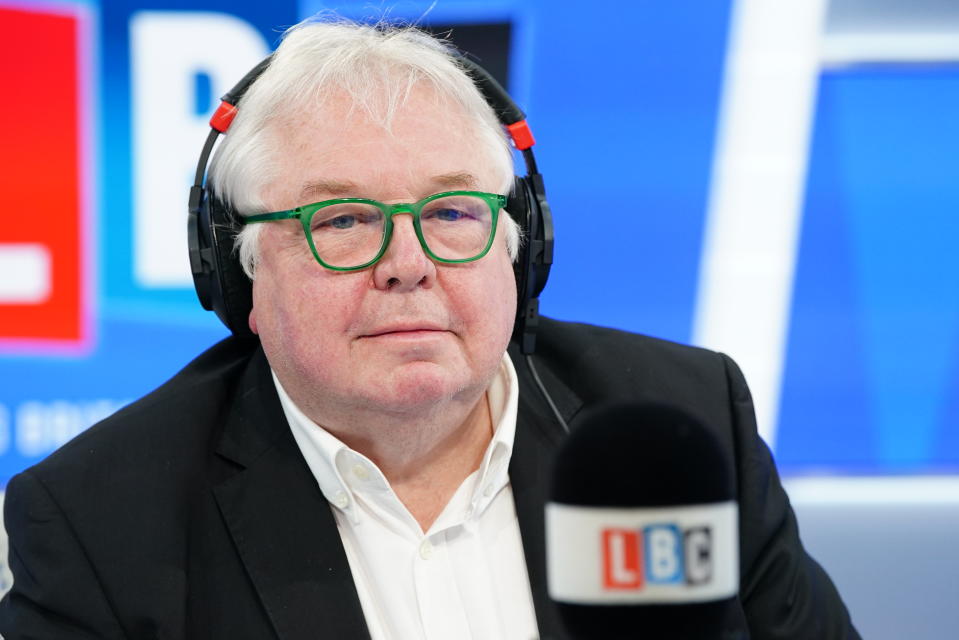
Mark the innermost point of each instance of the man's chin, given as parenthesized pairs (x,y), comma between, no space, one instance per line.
(421,385)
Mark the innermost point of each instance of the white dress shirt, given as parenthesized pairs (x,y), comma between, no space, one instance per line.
(463,579)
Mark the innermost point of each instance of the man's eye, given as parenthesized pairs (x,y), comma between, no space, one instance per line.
(343,222)
(447,215)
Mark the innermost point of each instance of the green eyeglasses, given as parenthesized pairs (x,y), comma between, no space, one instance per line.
(348,234)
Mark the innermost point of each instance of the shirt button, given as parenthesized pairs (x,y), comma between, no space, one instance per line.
(360,471)
(341,499)
(426,550)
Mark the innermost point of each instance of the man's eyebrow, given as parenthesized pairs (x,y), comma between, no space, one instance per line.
(458,179)
(328,187)
(338,188)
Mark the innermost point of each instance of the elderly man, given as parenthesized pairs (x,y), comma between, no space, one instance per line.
(373,465)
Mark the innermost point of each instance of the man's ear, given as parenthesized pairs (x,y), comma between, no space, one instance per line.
(252,321)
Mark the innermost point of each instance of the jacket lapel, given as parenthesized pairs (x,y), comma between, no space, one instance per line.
(280,522)
(538,433)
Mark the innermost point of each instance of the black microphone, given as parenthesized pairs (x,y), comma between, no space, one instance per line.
(642,527)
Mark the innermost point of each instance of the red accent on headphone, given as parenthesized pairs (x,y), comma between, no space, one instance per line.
(521,134)
(223,116)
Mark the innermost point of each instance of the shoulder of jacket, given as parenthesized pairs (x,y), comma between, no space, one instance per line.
(181,411)
(590,341)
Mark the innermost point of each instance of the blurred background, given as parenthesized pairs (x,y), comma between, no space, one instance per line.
(783,177)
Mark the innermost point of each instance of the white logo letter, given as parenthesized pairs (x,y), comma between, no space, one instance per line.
(168,50)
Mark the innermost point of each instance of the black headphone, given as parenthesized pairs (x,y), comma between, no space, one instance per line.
(222,285)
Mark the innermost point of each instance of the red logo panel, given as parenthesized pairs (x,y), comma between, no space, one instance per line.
(41,250)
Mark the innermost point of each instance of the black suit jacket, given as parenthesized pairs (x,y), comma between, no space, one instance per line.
(192,514)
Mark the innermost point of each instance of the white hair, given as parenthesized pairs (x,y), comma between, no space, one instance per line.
(377,66)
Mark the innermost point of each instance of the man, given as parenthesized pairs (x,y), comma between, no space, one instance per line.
(374,465)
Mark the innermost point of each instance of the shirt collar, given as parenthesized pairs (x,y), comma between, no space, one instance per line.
(341,472)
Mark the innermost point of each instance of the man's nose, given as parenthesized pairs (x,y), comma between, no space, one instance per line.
(404,266)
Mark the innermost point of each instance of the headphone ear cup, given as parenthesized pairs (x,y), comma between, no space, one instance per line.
(528,206)
(531,211)
(518,208)
(231,292)
(198,244)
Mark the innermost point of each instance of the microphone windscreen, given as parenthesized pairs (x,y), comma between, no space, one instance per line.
(642,528)
(640,455)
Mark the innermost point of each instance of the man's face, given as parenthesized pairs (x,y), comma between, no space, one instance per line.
(407,333)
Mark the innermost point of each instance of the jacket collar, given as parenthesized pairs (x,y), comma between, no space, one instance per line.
(538,433)
(281,524)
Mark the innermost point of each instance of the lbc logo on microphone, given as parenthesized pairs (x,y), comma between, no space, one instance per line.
(656,554)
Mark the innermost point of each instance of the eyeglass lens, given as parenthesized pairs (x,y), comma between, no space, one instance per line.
(350,234)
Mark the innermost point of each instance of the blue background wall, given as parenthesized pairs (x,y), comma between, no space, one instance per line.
(624,101)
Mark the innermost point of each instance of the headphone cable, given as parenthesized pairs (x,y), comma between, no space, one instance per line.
(542,389)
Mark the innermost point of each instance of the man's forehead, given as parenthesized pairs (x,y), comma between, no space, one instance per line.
(377,114)
(337,149)
(348,188)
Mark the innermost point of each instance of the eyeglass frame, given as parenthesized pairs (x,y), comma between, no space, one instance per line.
(305,213)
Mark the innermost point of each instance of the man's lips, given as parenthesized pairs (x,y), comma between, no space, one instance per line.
(400,330)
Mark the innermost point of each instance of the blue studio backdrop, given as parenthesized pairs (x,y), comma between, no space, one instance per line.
(624,100)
